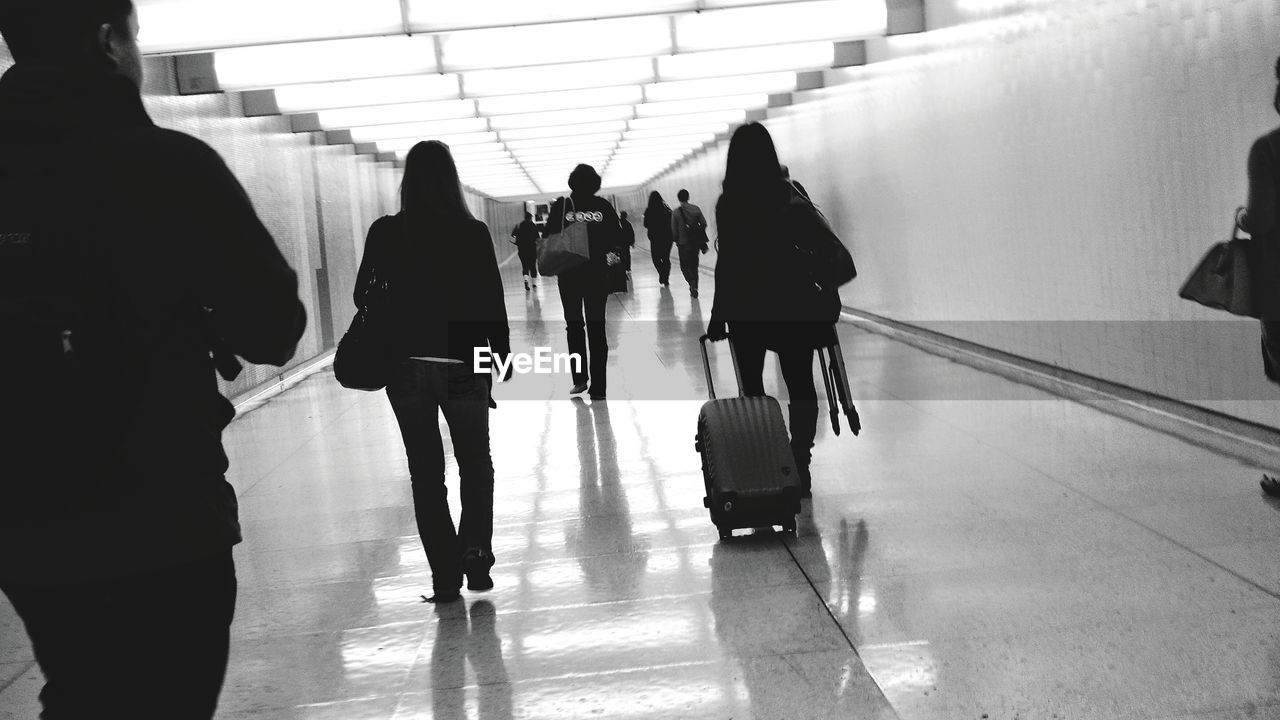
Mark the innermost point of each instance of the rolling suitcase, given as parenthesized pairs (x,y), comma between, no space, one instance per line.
(749,472)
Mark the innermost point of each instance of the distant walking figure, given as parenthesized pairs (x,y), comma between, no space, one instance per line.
(1260,221)
(445,282)
(657,223)
(764,295)
(689,228)
(525,236)
(584,289)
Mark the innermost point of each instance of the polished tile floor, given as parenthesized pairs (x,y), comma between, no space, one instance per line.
(982,550)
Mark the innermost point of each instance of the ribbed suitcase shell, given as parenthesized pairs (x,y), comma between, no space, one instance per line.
(750,474)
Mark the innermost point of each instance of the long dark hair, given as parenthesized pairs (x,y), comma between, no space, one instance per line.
(430,186)
(655,201)
(752,180)
(1276,103)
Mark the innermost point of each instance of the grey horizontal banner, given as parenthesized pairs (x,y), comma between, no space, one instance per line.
(1199,362)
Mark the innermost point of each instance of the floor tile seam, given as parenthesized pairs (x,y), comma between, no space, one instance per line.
(839,626)
(323,427)
(27,665)
(1113,510)
(1043,632)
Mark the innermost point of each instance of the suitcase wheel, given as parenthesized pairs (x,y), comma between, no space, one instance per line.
(725,532)
(789,525)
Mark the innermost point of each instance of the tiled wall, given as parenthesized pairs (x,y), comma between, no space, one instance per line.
(1040,177)
(317,200)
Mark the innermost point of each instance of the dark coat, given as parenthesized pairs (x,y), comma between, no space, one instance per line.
(445,281)
(152,229)
(657,223)
(604,235)
(763,291)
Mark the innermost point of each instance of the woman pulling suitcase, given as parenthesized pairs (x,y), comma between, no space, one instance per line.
(777,276)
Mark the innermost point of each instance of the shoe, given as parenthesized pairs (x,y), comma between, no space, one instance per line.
(476,564)
(1270,486)
(579,389)
(526,284)
(443,596)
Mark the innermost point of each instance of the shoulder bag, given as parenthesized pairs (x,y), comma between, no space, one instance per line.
(566,249)
(368,354)
(1223,280)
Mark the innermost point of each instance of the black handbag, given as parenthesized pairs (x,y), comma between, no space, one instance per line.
(1223,279)
(369,351)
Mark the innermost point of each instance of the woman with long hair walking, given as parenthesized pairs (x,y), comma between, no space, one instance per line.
(443,278)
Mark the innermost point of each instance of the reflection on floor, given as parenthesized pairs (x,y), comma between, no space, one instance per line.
(981,550)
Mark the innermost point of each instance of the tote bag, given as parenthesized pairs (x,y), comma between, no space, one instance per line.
(1223,280)
(566,249)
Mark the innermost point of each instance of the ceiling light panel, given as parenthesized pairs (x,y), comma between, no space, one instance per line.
(561,117)
(569,76)
(730,117)
(773,24)
(555,132)
(394,144)
(435,16)
(458,112)
(702,128)
(562,141)
(359,93)
(778,82)
(267,66)
(563,100)
(422,130)
(564,42)
(689,107)
(718,63)
(185,25)
(569,152)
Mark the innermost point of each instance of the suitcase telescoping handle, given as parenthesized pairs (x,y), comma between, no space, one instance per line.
(706,365)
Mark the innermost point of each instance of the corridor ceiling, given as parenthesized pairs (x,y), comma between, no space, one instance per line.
(521,91)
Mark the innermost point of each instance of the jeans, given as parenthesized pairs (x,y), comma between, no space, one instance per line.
(661,250)
(689,264)
(153,645)
(418,391)
(578,293)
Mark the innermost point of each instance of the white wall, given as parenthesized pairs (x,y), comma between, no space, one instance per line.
(1041,176)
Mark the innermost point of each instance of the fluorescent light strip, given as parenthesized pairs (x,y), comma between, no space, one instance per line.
(403,113)
(311,97)
(771,24)
(731,117)
(676,131)
(267,66)
(777,82)
(561,117)
(566,150)
(562,42)
(718,63)
(562,140)
(562,100)
(562,130)
(393,144)
(569,76)
(423,131)
(687,107)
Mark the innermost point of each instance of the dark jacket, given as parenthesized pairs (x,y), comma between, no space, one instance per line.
(657,223)
(526,236)
(444,279)
(763,291)
(1263,220)
(604,235)
(151,229)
